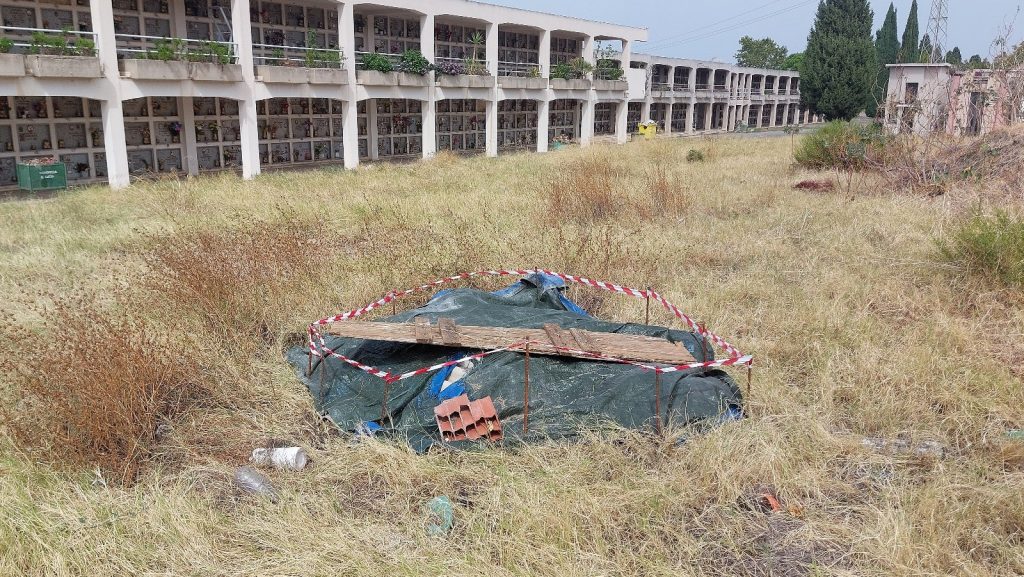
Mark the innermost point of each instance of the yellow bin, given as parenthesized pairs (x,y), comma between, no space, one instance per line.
(648,129)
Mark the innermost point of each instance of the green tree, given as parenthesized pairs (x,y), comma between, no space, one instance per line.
(954,57)
(911,34)
(977,62)
(763,53)
(839,64)
(794,61)
(925,50)
(887,51)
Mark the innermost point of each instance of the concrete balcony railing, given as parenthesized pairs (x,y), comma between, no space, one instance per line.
(46,53)
(463,73)
(684,87)
(369,77)
(157,58)
(521,75)
(570,84)
(299,65)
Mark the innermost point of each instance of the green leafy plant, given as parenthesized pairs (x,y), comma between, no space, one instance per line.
(562,71)
(278,59)
(84,47)
(841,146)
(607,67)
(47,44)
(413,62)
(694,155)
(533,72)
(991,246)
(473,64)
(5,45)
(320,57)
(166,50)
(377,62)
(580,67)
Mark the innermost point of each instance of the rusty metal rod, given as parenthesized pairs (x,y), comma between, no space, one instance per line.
(750,372)
(384,403)
(526,391)
(647,314)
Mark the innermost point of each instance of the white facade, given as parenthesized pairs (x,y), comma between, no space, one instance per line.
(113,113)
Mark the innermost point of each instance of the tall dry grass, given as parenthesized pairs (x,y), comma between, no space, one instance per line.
(858,330)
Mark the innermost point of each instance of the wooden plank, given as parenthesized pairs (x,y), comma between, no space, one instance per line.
(583,340)
(627,347)
(424,331)
(557,336)
(449,334)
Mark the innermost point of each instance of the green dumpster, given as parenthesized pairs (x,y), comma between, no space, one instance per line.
(34,177)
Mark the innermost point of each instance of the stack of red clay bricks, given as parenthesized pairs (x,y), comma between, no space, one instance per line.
(460,419)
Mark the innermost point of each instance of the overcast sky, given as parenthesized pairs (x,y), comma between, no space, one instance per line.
(711,30)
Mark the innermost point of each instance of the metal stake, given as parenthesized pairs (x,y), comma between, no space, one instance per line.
(703,342)
(657,400)
(750,371)
(647,315)
(526,391)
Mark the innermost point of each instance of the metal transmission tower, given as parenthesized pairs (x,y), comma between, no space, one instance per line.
(938,30)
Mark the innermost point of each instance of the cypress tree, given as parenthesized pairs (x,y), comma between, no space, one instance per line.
(887,49)
(839,65)
(909,47)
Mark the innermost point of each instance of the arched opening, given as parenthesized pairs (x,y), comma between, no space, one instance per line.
(297,131)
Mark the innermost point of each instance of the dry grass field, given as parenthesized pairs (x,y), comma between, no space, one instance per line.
(141,345)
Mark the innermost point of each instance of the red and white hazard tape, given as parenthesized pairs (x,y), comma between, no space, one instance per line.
(315,335)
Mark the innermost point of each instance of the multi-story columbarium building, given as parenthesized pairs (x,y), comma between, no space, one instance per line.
(122,88)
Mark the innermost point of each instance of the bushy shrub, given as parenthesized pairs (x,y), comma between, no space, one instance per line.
(562,71)
(5,45)
(94,385)
(841,146)
(377,62)
(694,155)
(413,62)
(989,246)
(451,67)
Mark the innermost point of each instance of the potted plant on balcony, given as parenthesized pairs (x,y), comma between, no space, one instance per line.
(572,75)
(11,65)
(57,56)
(608,72)
(376,69)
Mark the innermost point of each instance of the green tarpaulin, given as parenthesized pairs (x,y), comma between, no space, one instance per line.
(566,394)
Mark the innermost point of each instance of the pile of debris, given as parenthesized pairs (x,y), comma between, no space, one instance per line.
(535,365)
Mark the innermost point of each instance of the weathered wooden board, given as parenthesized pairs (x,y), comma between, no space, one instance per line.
(551,340)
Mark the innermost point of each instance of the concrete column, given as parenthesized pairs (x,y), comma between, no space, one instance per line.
(371,128)
(249,134)
(622,112)
(760,113)
(645,109)
(350,132)
(492,126)
(587,120)
(111,109)
(588,50)
(691,108)
(430,104)
(179,29)
(349,106)
(188,121)
(543,122)
(693,79)
(668,117)
(710,108)
(775,111)
(545,54)
(491,50)
(347,42)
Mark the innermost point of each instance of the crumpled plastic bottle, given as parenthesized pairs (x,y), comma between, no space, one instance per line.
(252,481)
